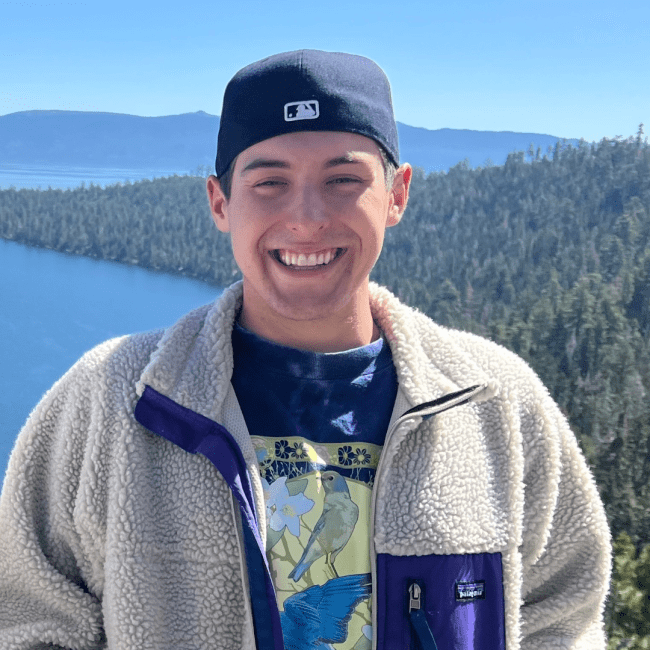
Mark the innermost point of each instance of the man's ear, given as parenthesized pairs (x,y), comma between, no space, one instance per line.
(399,194)
(218,203)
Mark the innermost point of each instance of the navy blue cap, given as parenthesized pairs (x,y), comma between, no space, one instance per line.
(305,90)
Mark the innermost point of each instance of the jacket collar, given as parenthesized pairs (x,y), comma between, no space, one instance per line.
(430,360)
(193,361)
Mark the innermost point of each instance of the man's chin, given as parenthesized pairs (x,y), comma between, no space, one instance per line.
(306,309)
(307,303)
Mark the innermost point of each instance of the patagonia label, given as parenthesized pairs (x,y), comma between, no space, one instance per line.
(474,590)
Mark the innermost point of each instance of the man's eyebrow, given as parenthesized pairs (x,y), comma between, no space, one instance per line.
(347,159)
(265,162)
(257,163)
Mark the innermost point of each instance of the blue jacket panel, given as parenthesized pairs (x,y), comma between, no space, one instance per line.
(461,597)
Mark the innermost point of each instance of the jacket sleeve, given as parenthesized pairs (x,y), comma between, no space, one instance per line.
(50,595)
(566,551)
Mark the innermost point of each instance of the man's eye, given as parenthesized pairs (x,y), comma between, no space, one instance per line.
(342,180)
(269,183)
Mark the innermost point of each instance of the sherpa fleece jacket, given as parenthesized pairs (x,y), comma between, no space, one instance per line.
(115,535)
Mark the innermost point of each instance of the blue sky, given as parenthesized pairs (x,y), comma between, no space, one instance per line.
(567,68)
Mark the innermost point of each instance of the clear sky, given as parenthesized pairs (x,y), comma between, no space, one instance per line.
(569,68)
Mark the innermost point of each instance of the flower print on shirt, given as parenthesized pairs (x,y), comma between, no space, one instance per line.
(283,509)
(346,457)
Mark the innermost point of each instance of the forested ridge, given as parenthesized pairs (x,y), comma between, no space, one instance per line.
(548,255)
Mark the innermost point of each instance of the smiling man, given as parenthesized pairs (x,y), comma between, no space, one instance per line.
(307,218)
(307,462)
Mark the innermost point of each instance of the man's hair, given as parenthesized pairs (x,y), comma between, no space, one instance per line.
(225,180)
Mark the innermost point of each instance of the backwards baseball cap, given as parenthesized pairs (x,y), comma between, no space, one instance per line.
(305,90)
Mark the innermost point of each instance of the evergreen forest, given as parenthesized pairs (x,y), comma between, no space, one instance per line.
(548,254)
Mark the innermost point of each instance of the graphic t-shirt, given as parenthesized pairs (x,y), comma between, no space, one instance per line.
(317,422)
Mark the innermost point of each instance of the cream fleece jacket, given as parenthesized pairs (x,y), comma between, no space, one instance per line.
(111,536)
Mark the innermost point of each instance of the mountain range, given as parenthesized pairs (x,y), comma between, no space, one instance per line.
(188,141)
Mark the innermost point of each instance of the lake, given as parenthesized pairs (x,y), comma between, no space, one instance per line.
(55,307)
(42,177)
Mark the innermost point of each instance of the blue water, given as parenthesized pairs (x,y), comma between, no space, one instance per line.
(54,307)
(43,177)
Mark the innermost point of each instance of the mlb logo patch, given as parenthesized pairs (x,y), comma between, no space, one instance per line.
(304,110)
(468,591)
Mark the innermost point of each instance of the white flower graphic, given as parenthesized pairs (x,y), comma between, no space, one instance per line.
(283,509)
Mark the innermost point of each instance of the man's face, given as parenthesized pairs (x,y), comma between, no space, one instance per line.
(307,215)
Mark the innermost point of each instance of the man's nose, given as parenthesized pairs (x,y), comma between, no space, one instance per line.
(308,213)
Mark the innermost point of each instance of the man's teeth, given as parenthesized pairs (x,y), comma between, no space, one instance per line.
(313,259)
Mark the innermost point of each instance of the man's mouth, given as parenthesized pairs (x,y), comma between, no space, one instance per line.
(294,260)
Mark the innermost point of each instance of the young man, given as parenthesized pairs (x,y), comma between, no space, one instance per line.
(306,463)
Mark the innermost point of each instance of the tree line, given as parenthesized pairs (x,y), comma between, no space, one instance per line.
(547,255)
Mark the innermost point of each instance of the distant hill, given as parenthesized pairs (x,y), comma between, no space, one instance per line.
(84,139)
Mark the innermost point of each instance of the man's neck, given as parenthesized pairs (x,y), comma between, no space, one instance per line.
(323,335)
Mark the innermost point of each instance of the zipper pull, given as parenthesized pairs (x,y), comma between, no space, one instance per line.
(422,634)
(414,592)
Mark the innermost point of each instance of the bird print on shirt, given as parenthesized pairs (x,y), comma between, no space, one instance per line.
(319,616)
(334,527)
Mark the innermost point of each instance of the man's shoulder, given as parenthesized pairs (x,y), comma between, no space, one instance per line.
(498,362)
(122,357)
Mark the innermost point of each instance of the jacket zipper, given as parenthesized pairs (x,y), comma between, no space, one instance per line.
(421,631)
(424,411)
(414,596)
